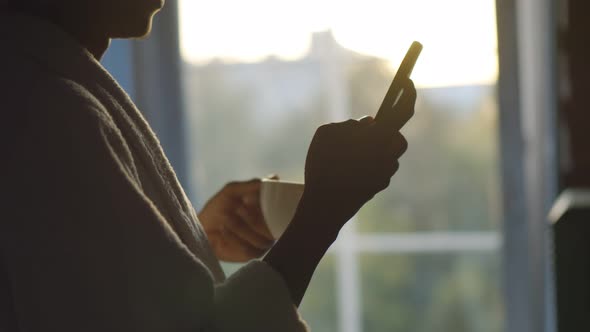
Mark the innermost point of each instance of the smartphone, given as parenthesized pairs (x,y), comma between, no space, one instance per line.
(385,115)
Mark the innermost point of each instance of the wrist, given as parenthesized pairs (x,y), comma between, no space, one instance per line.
(301,247)
(315,218)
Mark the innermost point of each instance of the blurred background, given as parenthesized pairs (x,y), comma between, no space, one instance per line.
(422,256)
(459,241)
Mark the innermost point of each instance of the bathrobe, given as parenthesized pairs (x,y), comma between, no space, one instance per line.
(96,234)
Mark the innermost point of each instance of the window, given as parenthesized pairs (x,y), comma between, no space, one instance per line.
(261,76)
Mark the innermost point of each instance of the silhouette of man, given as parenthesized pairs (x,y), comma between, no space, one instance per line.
(96,232)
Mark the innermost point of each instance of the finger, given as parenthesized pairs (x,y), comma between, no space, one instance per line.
(399,145)
(247,250)
(386,167)
(411,90)
(402,111)
(382,185)
(393,94)
(241,188)
(393,168)
(404,108)
(350,123)
(254,218)
(366,120)
(251,200)
(241,228)
(382,178)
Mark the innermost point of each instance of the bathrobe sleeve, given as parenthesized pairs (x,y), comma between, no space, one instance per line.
(86,250)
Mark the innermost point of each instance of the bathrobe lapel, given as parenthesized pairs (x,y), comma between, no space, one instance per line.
(68,59)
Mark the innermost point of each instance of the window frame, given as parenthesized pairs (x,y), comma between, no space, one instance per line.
(528,141)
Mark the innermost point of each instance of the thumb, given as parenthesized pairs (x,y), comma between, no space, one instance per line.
(366,120)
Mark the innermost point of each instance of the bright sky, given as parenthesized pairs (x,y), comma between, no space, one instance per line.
(459,36)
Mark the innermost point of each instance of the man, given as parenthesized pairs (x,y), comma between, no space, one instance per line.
(97,234)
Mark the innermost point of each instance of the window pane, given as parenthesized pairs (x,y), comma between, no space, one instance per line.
(439,292)
(448,179)
(319,306)
(250,120)
(260,77)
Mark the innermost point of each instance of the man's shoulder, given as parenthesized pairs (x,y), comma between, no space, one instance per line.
(61,95)
(35,99)
(26,84)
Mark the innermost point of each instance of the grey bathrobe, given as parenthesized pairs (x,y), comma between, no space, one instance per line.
(96,233)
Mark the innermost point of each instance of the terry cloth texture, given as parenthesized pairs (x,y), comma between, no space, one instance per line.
(96,232)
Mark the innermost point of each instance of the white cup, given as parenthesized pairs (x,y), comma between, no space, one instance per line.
(279,200)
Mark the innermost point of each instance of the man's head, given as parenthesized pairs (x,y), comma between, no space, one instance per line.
(104,18)
(116,18)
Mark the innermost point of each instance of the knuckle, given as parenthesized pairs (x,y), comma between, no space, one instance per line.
(410,91)
(350,123)
(413,95)
(392,169)
(386,183)
(411,88)
(366,119)
(245,213)
(323,128)
(234,225)
(231,185)
(327,129)
(395,167)
(382,185)
(403,143)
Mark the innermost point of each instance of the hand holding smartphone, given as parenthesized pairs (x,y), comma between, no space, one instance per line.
(389,115)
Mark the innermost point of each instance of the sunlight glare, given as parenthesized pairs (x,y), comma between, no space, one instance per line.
(459,36)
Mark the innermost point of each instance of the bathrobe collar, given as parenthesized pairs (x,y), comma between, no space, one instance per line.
(60,53)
